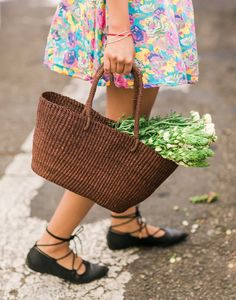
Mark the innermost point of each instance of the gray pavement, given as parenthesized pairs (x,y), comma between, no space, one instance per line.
(206,267)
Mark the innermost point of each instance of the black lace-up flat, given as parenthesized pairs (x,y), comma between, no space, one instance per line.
(39,261)
(117,240)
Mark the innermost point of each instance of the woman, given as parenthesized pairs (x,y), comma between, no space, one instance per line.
(159,36)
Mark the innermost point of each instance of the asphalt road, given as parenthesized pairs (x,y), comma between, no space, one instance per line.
(206,268)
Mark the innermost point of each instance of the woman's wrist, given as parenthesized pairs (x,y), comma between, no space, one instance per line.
(117,28)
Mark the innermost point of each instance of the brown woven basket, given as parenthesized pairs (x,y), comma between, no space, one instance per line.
(74,147)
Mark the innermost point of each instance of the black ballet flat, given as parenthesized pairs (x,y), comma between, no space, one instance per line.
(117,240)
(39,261)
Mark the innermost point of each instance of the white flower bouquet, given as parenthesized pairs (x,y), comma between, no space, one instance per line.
(184,140)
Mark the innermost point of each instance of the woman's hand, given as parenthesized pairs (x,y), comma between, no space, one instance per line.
(119,56)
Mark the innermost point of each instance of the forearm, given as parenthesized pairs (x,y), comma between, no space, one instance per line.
(118,15)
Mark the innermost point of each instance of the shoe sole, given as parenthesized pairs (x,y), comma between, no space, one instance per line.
(28,269)
(167,245)
(32,271)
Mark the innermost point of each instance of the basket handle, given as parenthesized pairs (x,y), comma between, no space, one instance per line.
(137,98)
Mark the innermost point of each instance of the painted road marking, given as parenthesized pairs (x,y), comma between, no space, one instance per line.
(18,231)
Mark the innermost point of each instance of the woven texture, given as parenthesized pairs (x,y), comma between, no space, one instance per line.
(74,147)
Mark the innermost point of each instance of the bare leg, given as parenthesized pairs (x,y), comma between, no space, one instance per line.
(119,101)
(69,213)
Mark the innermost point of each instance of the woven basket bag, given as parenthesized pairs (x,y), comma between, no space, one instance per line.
(74,147)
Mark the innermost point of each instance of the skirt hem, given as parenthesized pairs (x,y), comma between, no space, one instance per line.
(58,69)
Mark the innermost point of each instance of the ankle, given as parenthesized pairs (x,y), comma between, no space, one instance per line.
(53,250)
(117,221)
(117,225)
(128,213)
(47,240)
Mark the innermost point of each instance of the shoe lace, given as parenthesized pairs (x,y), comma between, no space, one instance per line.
(136,215)
(72,237)
(142,222)
(75,235)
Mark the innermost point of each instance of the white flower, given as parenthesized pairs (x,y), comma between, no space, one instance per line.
(210,129)
(166,135)
(158,149)
(207,118)
(150,140)
(195,115)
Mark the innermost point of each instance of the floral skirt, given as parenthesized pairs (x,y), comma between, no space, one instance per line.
(163,32)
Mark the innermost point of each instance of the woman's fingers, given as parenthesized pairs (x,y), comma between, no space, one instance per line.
(117,64)
(120,67)
(113,66)
(107,65)
(127,68)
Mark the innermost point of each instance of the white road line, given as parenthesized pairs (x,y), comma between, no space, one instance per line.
(18,231)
